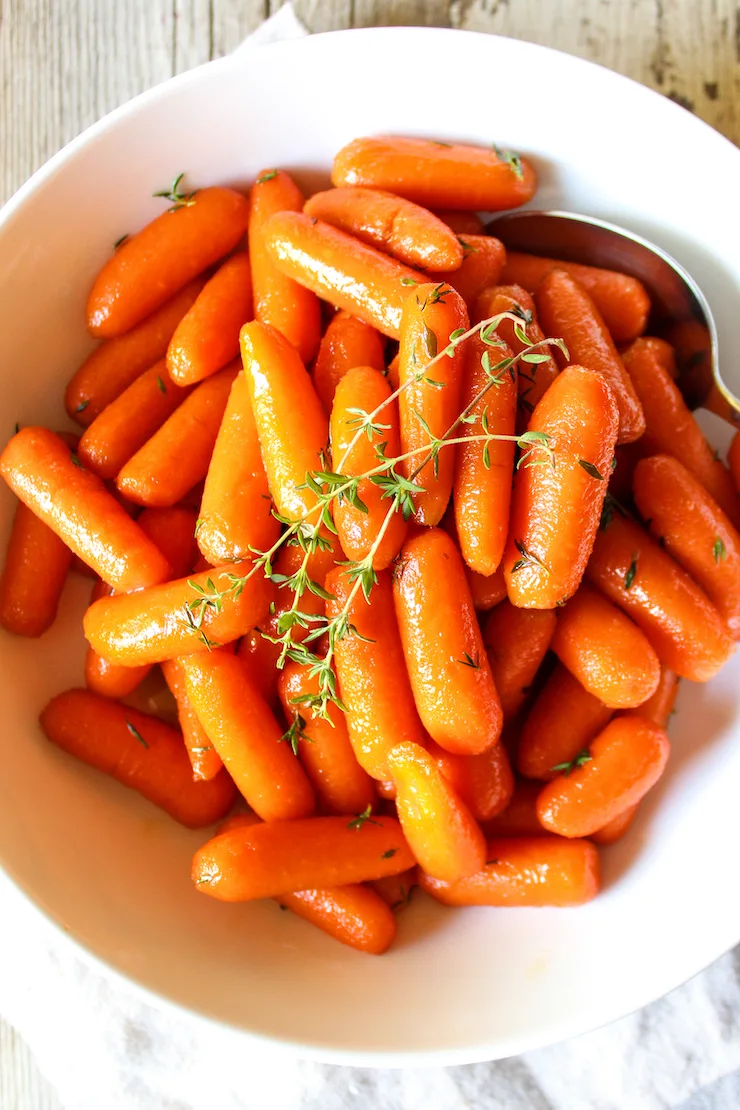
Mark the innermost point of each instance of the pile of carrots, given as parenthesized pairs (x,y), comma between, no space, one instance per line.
(501,691)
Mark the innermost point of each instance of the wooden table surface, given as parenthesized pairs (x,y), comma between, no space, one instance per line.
(65,63)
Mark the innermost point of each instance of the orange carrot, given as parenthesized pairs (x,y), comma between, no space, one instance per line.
(280,301)
(354,915)
(623,763)
(555,508)
(680,622)
(483,261)
(447,664)
(359,525)
(116,363)
(395,226)
(519,818)
(397,890)
(347,342)
(561,724)
(659,706)
(526,871)
(340,269)
(173,531)
(151,266)
(442,175)
(273,859)
(74,503)
(110,680)
(693,351)
(207,337)
(516,641)
(140,751)
(484,782)
(616,828)
(204,759)
(461,222)
(486,590)
(37,562)
(177,455)
(236,511)
(260,658)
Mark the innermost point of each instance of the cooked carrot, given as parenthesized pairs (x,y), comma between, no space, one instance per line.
(484,782)
(177,455)
(126,424)
(341,269)
(659,706)
(116,363)
(692,527)
(397,890)
(431,403)
(74,503)
(140,751)
(461,222)
(561,724)
(693,348)
(486,590)
(151,266)
(207,337)
(567,312)
(516,641)
(236,511)
(484,473)
(733,458)
(671,427)
(37,562)
(373,683)
(279,300)
(291,425)
(260,658)
(178,618)
(526,871)
(622,300)
(616,828)
(441,175)
(395,226)
(242,728)
(447,663)
(354,915)
(347,342)
(273,859)
(173,531)
(519,818)
(483,261)
(323,746)
(204,759)
(685,629)
(110,680)
(605,651)
(386,790)
(624,761)
(555,508)
(440,829)
(359,525)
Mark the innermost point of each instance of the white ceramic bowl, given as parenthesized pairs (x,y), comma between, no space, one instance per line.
(458,986)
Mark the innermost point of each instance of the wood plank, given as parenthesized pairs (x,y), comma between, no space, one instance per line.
(22,1087)
(401,13)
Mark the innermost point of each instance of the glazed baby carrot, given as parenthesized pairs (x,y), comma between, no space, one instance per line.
(622,300)
(561,724)
(516,641)
(483,261)
(693,350)
(359,525)
(116,363)
(398,227)
(323,746)
(483,474)
(440,829)
(173,531)
(260,657)
(447,663)
(685,629)
(140,751)
(291,425)
(526,871)
(42,471)
(353,914)
(37,562)
(461,222)
(483,782)
(486,590)
(280,301)
(178,618)
(397,890)
(555,508)
(340,269)
(567,312)
(269,860)
(346,343)
(431,314)
(441,175)
(616,828)
(519,818)
(204,759)
(207,337)
(671,428)
(125,425)
(178,454)
(373,683)
(693,528)
(733,458)
(151,266)
(236,511)
(659,706)
(623,763)
(605,651)
(110,680)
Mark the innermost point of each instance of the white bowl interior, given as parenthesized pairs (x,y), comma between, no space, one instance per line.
(112,870)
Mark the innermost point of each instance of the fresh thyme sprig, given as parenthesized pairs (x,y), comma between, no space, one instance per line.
(179,199)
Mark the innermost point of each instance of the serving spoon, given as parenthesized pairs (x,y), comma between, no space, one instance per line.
(674,294)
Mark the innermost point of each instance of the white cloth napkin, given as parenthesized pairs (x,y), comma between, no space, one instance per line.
(104,1049)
